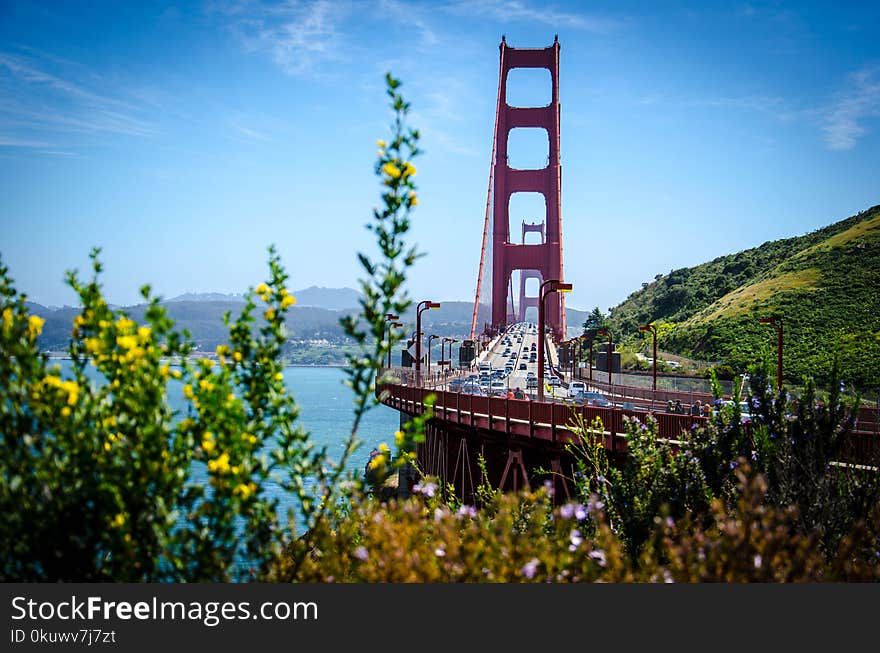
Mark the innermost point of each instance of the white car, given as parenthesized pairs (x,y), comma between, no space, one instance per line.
(575,387)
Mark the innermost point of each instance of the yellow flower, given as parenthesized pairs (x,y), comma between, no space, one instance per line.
(206,385)
(144,333)
(107,446)
(377,462)
(78,321)
(279,376)
(93,345)
(409,170)
(65,412)
(247,437)
(175,374)
(381,143)
(230,396)
(165,371)
(118,520)
(270,313)
(72,390)
(236,356)
(35,325)
(413,199)
(263,289)
(124,324)
(208,445)
(127,342)
(7,318)
(383,448)
(245,490)
(188,391)
(222,350)
(289,300)
(220,465)
(398,438)
(391,170)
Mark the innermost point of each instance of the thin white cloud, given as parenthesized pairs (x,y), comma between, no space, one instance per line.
(35,99)
(297,35)
(521,11)
(844,122)
(250,132)
(412,16)
(12,141)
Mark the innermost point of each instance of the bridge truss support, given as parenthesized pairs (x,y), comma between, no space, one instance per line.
(451,453)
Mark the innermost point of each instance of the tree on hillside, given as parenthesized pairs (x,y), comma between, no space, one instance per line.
(595,321)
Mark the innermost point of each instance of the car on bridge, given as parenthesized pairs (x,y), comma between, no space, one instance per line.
(532,382)
(593,399)
(471,388)
(575,387)
(523,366)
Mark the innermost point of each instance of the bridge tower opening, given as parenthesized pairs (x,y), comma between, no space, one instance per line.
(501,256)
(526,301)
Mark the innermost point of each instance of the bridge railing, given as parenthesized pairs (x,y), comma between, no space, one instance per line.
(555,421)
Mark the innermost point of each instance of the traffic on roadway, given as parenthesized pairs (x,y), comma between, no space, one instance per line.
(510,368)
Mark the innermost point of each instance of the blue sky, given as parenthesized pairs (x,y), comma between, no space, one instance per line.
(184,138)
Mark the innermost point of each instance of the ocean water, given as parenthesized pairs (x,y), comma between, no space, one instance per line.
(325,404)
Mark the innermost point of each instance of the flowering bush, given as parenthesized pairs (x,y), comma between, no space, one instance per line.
(97,469)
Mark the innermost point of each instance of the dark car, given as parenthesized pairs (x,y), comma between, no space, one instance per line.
(523,366)
(593,399)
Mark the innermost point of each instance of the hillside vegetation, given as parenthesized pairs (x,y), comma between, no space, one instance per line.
(825,285)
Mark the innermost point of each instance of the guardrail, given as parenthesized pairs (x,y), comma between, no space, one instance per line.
(555,421)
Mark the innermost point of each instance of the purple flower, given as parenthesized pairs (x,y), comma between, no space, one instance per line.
(758,560)
(576,539)
(595,504)
(428,489)
(361,554)
(467,511)
(530,568)
(440,552)
(580,513)
(599,556)
(567,511)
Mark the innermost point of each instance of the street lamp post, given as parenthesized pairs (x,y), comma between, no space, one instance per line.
(422,306)
(391,319)
(430,338)
(606,332)
(653,329)
(777,321)
(442,346)
(589,339)
(551,286)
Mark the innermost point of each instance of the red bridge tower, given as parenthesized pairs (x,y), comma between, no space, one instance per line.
(543,260)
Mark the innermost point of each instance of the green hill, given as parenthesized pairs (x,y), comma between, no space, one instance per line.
(825,285)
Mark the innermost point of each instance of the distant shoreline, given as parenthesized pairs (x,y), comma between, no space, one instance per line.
(58,355)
